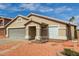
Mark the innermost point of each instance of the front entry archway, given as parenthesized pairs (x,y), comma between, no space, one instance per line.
(32,32)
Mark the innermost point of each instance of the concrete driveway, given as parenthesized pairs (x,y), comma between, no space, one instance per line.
(5,41)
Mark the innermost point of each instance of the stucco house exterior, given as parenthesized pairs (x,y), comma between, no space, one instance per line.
(39,27)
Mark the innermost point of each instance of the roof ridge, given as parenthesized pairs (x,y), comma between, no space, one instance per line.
(52,18)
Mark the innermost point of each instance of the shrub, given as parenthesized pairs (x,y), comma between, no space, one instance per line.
(69,52)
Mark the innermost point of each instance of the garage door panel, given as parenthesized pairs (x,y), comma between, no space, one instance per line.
(17,33)
(53,32)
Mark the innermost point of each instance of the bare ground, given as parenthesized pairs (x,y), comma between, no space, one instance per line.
(26,48)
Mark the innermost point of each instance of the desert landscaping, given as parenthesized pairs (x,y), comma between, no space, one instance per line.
(28,48)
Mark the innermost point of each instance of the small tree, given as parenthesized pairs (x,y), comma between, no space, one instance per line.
(72,19)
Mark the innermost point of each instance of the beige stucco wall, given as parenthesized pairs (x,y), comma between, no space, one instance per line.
(62,27)
(62,32)
(38,19)
(72,32)
(78,34)
(33,24)
(17,24)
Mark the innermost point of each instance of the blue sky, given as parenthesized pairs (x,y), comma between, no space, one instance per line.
(58,10)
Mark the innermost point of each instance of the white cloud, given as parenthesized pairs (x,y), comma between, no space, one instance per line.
(69,9)
(12,9)
(35,7)
(45,9)
(77,21)
(20,7)
(7,7)
(38,7)
(3,6)
(62,9)
(77,18)
(29,6)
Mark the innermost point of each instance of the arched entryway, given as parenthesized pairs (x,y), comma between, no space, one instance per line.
(33,30)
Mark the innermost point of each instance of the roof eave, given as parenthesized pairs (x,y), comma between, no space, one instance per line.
(54,19)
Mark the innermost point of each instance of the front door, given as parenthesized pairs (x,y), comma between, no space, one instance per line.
(32,32)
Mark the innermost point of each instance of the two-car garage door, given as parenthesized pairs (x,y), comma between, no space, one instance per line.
(16,33)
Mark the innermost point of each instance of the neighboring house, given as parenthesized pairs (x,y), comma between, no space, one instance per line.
(3,22)
(38,27)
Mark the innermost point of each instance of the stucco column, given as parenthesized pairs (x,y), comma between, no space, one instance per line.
(27,33)
(38,33)
(6,32)
(3,22)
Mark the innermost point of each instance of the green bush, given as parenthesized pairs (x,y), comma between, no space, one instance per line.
(69,52)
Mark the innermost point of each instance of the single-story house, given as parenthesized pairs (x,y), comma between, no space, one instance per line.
(3,22)
(38,27)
